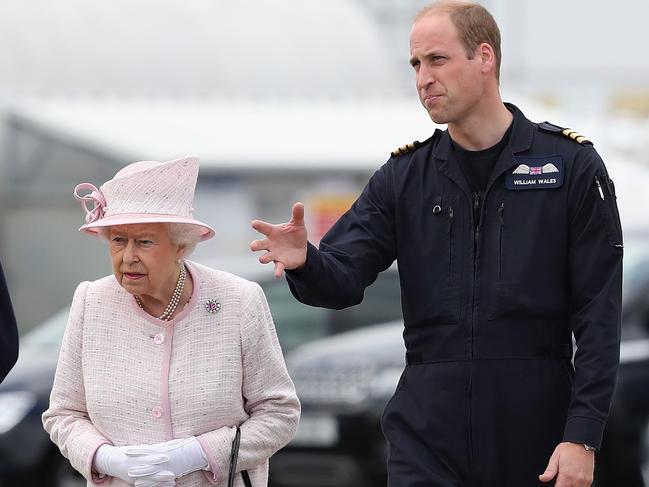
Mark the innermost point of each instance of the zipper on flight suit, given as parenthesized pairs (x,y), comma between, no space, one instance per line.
(476,234)
(477,216)
(501,217)
(476,213)
(450,245)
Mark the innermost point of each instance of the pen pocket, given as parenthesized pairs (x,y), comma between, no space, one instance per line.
(606,202)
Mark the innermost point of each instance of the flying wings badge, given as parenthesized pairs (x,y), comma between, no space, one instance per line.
(536,173)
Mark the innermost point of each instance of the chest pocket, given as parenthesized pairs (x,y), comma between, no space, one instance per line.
(430,260)
(527,261)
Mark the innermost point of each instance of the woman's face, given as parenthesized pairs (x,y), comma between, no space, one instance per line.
(144,258)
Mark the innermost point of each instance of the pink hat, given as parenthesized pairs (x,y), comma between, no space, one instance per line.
(144,192)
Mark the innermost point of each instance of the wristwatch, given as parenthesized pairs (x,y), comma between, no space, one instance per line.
(589,448)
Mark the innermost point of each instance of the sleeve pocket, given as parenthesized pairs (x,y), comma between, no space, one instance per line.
(605,197)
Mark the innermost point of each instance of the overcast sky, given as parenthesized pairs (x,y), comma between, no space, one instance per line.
(303,45)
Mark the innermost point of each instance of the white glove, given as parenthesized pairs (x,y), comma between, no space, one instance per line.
(126,463)
(164,478)
(182,456)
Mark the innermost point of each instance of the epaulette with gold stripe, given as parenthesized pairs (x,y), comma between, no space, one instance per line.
(405,149)
(576,136)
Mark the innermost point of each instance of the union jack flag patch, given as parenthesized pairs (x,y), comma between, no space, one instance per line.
(545,172)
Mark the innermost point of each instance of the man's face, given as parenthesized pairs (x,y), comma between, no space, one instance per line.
(449,84)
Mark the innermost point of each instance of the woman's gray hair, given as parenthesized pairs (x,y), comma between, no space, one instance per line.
(181,234)
(184,235)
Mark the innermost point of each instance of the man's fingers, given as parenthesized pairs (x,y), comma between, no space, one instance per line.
(267,258)
(547,476)
(279,269)
(297,217)
(256,245)
(262,227)
(550,470)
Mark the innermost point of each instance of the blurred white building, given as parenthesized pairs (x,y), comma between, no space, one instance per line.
(584,56)
(281,99)
(248,48)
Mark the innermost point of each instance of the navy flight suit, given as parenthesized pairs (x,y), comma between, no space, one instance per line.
(8,330)
(492,288)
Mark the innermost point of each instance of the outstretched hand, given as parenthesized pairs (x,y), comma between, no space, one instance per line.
(285,243)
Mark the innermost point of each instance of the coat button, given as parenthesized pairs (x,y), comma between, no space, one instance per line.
(159,339)
(156,412)
(437,209)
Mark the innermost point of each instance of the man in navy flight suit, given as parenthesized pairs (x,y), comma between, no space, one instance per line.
(8,330)
(508,241)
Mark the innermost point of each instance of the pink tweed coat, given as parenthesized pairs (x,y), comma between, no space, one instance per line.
(126,378)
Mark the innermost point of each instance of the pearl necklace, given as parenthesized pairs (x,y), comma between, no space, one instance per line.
(175,297)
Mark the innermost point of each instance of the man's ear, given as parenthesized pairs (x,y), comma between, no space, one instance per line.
(487,57)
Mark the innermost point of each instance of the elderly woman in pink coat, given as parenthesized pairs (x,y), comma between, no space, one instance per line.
(165,359)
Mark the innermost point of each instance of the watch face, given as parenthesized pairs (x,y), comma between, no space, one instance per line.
(589,448)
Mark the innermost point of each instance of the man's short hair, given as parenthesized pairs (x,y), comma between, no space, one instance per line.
(474,23)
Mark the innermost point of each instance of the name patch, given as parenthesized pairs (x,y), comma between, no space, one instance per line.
(536,173)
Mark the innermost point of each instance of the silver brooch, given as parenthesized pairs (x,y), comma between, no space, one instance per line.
(213,306)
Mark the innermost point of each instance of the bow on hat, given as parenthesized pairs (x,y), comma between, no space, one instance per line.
(95,196)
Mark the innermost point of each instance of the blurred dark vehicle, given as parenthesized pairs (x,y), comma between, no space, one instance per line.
(26,454)
(345,381)
(623,460)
